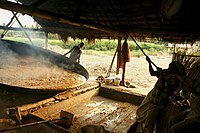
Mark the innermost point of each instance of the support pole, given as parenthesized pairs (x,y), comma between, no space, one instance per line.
(46,40)
(118,54)
(123,74)
(9,25)
(22,27)
(174,48)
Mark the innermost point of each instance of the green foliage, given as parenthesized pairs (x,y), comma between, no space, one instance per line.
(54,36)
(56,42)
(103,46)
(37,42)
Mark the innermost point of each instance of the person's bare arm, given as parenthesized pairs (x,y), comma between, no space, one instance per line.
(78,60)
(79,56)
(69,51)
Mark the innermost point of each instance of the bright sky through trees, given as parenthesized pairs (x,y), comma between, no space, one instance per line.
(5,17)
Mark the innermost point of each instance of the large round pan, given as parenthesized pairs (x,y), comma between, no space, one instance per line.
(26,50)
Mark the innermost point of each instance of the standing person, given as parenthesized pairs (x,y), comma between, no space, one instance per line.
(168,81)
(75,52)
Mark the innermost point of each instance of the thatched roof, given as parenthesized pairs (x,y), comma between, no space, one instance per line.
(171,20)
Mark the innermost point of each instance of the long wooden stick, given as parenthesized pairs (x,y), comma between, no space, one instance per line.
(28,124)
(139,47)
(109,70)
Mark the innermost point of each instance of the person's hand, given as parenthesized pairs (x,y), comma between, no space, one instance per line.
(148,59)
(159,69)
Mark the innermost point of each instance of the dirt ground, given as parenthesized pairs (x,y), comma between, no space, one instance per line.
(136,70)
(97,65)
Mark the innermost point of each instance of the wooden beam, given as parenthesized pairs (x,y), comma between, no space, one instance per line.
(20,29)
(55,17)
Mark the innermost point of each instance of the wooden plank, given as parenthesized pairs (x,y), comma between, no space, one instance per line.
(34,105)
(120,93)
(50,111)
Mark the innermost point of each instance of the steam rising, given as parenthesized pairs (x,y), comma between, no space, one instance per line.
(33,72)
(7,56)
(36,66)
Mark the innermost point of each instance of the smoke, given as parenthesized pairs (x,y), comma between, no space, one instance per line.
(13,66)
(10,58)
(7,56)
(17,67)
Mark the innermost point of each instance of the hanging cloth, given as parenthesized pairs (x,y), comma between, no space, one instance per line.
(129,55)
(124,54)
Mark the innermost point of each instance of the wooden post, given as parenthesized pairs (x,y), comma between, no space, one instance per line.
(118,54)
(46,40)
(174,48)
(123,74)
(125,58)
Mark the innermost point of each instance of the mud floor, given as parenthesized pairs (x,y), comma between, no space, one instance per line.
(115,116)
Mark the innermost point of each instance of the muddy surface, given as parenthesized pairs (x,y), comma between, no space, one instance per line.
(115,116)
